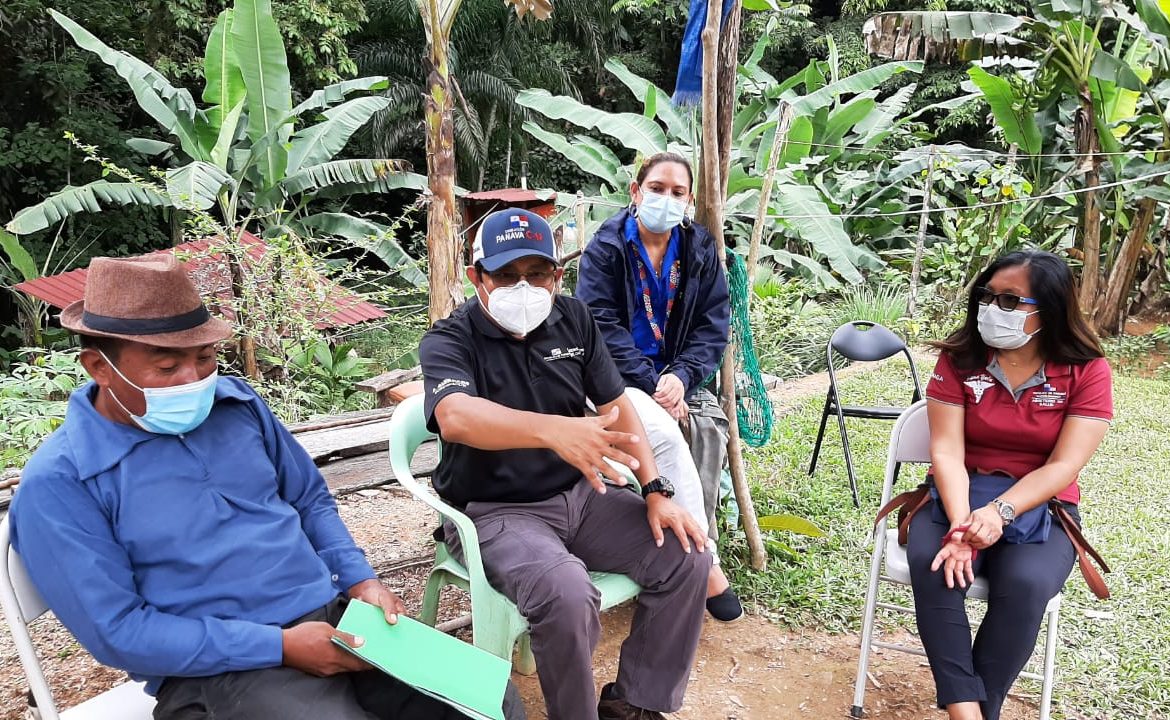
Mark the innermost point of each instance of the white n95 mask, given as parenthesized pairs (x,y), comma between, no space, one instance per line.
(519,308)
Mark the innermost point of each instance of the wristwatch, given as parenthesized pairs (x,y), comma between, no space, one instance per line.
(1007,511)
(658,485)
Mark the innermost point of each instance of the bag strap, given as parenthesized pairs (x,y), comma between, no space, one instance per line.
(1093,578)
(906,504)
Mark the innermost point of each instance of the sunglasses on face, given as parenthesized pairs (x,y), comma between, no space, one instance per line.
(1005,301)
(508,278)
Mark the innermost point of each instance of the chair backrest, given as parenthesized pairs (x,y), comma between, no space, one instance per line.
(22,604)
(867,341)
(909,443)
(408,430)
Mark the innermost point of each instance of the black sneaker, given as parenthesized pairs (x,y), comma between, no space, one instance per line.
(725,607)
(612,707)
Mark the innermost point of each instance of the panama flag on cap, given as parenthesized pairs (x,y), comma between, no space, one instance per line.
(511,234)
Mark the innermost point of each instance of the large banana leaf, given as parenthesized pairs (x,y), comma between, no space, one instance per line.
(373,237)
(196,184)
(802,209)
(173,108)
(19,257)
(1017,121)
(857,83)
(73,199)
(360,176)
(335,93)
(228,130)
(319,143)
(842,119)
(225,82)
(632,130)
(264,66)
(943,36)
(878,124)
(585,158)
(676,123)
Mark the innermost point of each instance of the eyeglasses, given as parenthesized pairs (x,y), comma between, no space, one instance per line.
(508,278)
(1005,301)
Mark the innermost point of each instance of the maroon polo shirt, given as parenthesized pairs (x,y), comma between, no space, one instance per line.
(1015,431)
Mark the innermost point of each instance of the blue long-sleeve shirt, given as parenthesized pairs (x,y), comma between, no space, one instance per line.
(181,555)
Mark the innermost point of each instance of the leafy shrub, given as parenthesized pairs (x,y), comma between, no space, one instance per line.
(883,305)
(791,334)
(33,397)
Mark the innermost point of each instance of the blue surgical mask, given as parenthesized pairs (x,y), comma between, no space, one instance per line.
(660,213)
(172,410)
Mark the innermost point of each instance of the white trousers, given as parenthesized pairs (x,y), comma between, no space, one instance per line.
(673,457)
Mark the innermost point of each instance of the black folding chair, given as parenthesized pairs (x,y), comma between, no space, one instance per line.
(865,341)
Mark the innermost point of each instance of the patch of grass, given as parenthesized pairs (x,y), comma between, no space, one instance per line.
(1113,655)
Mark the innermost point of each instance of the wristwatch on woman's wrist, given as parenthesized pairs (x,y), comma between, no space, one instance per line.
(1007,511)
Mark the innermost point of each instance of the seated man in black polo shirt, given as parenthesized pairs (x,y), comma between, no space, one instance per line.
(507,377)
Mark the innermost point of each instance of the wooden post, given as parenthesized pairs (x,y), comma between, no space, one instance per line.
(710,211)
(920,242)
(778,143)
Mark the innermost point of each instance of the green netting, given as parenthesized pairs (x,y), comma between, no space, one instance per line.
(752,407)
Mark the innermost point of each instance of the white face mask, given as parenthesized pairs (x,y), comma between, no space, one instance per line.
(1004,329)
(660,213)
(520,308)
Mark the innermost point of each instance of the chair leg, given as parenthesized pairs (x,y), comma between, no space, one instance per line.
(525,662)
(1049,663)
(429,614)
(812,466)
(848,459)
(867,623)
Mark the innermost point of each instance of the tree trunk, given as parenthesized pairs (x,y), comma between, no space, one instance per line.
(728,70)
(920,241)
(710,214)
(491,125)
(1086,138)
(1110,314)
(444,244)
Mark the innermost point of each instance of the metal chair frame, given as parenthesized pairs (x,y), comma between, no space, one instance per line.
(22,604)
(910,443)
(864,341)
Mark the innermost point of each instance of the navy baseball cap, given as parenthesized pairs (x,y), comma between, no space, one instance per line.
(511,234)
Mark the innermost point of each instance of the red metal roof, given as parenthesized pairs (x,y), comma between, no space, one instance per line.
(211,276)
(511,195)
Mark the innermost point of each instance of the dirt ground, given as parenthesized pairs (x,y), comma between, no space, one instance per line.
(747,670)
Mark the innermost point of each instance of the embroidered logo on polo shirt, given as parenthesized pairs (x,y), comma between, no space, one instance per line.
(1048,396)
(559,354)
(979,385)
(937,378)
(449,382)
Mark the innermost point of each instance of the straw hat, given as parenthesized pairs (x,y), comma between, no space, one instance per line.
(148,299)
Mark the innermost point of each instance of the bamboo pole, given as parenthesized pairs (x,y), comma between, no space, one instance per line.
(711,215)
(778,145)
(920,242)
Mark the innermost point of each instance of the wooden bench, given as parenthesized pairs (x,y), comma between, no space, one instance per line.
(390,388)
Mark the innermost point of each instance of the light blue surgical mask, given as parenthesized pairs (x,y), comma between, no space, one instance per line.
(172,410)
(660,213)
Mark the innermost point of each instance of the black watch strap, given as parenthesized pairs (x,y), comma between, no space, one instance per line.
(658,485)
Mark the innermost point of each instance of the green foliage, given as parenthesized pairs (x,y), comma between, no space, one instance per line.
(34,391)
(327,374)
(883,304)
(259,158)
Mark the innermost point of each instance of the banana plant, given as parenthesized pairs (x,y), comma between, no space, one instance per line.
(1100,57)
(249,152)
(804,219)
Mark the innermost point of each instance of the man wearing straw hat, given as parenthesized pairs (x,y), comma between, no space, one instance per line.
(180,533)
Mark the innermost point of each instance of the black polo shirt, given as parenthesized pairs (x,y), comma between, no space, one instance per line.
(551,371)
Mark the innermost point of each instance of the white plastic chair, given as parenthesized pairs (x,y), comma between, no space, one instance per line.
(22,604)
(910,443)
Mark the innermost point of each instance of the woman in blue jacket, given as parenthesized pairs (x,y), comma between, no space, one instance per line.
(659,293)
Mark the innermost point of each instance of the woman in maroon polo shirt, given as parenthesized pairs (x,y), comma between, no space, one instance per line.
(1018,403)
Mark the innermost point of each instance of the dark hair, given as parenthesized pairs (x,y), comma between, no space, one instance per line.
(112,347)
(664,157)
(1064,335)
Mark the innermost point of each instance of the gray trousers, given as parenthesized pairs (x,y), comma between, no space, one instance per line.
(539,554)
(289,694)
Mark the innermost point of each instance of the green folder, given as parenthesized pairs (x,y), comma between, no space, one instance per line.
(446,668)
